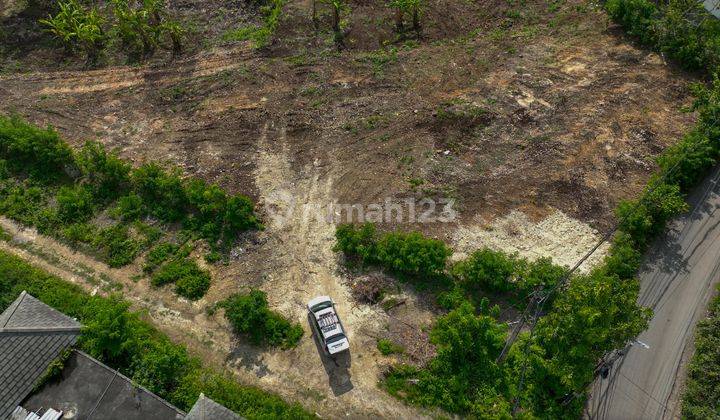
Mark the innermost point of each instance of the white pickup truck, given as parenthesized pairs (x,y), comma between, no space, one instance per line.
(327,325)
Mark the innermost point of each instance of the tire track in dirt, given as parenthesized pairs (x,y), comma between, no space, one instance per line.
(73,82)
(296,200)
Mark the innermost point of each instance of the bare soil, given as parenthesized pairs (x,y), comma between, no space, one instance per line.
(537,120)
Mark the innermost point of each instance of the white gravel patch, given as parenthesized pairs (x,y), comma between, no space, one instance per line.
(558,236)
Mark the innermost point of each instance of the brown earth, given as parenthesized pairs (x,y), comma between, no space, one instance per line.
(543,109)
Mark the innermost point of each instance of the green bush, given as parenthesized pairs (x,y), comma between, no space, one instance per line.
(127,343)
(141,26)
(117,247)
(405,253)
(78,29)
(193,287)
(681,29)
(190,280)
(39,153)
(162,192)
(23,202)
(413,254)
(259,35)
(249,315)
(464,377)
(158,255)
(646,217)
(702,390)
(77,233)
(74,204)
(105,174)
(357,242)
(487,270)
(129,207)
(387,347)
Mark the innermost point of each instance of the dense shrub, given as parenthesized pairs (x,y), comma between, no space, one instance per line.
(646,217)
(74,204)
(23,201)
(158,255)
(194,286)
(117,247)
(464,377)
(125,342)
(681,29)
(190,280)
(357,242)
(78,29)
(412,253)
(488,270)
(249,315)
(39,153)
(36,164)
(129,207)
(405,253)
(105,174)
(162,192)
(387,347)
(702,390)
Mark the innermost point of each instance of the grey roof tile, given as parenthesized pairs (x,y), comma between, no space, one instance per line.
(25,357)
(207,409)
(28,313)
(32,335)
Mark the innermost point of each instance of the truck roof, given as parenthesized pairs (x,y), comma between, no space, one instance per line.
(329,322)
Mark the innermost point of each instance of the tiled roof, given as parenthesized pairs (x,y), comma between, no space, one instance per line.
(31,336)
(28,313)
(207,409)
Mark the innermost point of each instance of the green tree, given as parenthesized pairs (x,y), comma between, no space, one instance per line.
(108,332)
(78,29)
(410,8)
(595,314)
(104,173)
(338,7)
(75,204)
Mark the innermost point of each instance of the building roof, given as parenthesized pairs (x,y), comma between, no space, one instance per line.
(207,409)
(89,389)
(712,6)
(28,313)
(31,336)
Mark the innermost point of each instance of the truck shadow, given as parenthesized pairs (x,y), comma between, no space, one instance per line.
(337,367)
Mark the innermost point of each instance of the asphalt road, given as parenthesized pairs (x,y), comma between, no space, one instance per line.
(677,282)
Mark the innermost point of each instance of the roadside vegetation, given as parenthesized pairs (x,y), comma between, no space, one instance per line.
(685,32)
(95,201)
(123,340)
(562,354)
(702,389)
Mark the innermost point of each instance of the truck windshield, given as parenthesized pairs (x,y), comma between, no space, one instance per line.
(321,306)
(336,337)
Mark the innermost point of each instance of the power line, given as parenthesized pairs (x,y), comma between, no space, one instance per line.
(564,279)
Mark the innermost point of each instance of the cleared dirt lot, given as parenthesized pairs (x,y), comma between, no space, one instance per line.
(537,126)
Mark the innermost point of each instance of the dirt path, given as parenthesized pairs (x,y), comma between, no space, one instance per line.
(308,268)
